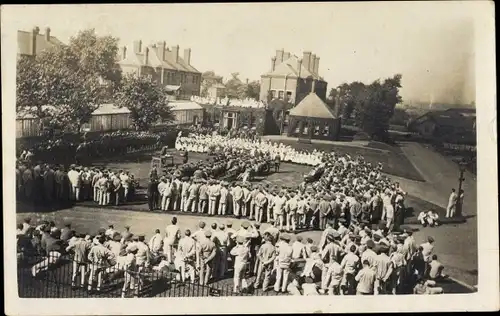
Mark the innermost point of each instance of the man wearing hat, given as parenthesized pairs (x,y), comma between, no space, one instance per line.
(260,203)
(100,258)
(409,245)
(80,249)
(273,231)
(298,249)
(278,209)
(172,235)
(224,193)
(369,254)
(241,254)
(252,214)
(237,194)
(156,243)
(284,260)
(324,211)
(266,256)
(291,212)
(329,230)
(130,268)
(75,181)
(187,256)
(223,239)
(206,255)
(213,196)
(203,196)
(383,270)
(184,188)
(192,201)
(330,253)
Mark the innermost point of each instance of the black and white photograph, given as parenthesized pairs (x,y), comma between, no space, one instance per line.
(254,152)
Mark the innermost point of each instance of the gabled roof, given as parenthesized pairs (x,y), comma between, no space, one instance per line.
(24,40)
(155,60)
(289,68)
(312,106)
(109,108)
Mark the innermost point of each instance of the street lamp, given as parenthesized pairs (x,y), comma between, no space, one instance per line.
(462,165)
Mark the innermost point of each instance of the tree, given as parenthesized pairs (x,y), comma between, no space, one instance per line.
(253,90)
(234,86)
(375,106)
(209,78)
(53,89)
(146,100)
(68,78)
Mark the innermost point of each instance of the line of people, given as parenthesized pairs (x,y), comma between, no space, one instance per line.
(48,184)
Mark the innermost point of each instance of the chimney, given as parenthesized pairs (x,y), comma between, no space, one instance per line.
(160,48)
(316,66)
(312,62)
(175,53)
(286,56)
(34,34)
(273,63)
(124,52)
(279,56)
(306,59)
(146,55)
(47,34)
(137,46)
(187,55)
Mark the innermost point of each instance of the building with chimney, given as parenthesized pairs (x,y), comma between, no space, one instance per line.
(291,78)
(164,65)
(32,43)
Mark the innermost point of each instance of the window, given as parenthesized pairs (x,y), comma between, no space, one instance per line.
(194,79)
(289,96)
(148,77)
(273,94)
(326,130)
(281,95)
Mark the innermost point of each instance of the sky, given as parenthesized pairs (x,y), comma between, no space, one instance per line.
(430,43)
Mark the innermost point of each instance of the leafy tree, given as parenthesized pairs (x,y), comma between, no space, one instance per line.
(146,100)
(53,89)
(69,79)
(375,106)
(209,78)
(234,86)
(253,90)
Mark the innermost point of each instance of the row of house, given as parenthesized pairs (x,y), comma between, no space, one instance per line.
(290,80)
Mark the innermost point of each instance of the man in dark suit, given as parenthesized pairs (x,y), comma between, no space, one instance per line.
(152,194)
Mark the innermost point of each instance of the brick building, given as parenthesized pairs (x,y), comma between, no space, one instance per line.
(33,43)
(292,78)
(164,65)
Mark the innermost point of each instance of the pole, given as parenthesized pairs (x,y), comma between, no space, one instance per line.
(459,200)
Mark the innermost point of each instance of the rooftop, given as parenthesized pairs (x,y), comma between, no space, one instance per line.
(312,106)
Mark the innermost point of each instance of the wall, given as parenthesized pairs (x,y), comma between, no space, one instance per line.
(278,84)
(187,116)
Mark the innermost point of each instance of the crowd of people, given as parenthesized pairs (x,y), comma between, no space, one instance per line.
(47,184)
(362,249)
(347,260)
